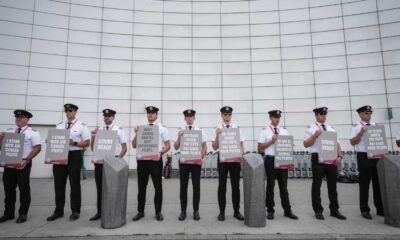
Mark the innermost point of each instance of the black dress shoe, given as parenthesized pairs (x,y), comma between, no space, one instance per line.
(338,215)
(291,215)
(6,218)
(159,216)
(221,217)
(21,218)
(319,216)
(95,217)
(270,215)
(366,215)
(74,216)
(182,216)
(238,216)
(55,216)
(138,216)
(196,215)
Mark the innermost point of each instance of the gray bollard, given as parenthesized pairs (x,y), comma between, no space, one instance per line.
(114,192)
(389,181)
(254,190)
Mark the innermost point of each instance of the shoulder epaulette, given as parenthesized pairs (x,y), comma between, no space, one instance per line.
(34,130)
(9,129)
(83,124)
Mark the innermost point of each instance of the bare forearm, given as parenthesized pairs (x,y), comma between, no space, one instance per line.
(356,140)
(309,141)
(124,149)
(177,143)
(134,142)
(92,143)
(263,146)
(167,146)
(84,144)
(203,149)
(35,151)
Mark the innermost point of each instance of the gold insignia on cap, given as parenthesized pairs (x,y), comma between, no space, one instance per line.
(278,112)
(67,106)
(324,108)
(368,107)
(227,108)
(106,111)
(151,108)
(189,111)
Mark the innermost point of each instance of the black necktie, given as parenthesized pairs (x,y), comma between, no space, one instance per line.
(107,127)
(190,127)
(151,124)
(323,126)
(368,124)
(19,130)
(227,126)
(276,130)
(69,125)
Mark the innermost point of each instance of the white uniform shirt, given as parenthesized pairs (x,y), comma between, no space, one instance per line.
(311,130)
(32,138)
(232,125)
(362,145)
(78,132)
(121,137)
(163,135)
(203,133)
(266,135)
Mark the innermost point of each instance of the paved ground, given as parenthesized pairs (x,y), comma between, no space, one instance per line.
(307,227)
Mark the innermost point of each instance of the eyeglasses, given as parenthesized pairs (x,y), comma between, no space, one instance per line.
(107,116)
(323,114)
(227,114)
(69,110)
(367,113)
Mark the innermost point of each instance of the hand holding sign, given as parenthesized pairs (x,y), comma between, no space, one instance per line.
(105,144)
(147,143)
(191,146)
(284,152)
(328,148)
(12,148)
(57,147)
(93,132)
(376,141)
(229,145)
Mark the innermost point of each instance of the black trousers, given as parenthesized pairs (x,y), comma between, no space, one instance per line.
(319,170)
(234,172)
(282,176)
(11,179)
(72,171)
(184,171)
(98,177)
(367,172)
(146,168)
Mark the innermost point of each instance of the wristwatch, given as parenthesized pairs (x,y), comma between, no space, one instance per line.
(75,143)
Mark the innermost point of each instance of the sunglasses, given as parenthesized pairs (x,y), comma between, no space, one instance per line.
(69,110)
(227,114)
